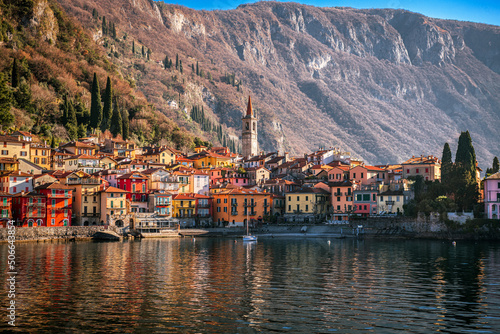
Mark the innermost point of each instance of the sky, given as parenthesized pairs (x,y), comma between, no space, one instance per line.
(483,11)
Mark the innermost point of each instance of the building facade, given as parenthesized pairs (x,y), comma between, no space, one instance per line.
(249,132)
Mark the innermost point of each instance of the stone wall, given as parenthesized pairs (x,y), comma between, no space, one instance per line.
(55,233)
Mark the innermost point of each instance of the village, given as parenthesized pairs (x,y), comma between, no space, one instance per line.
(112,182)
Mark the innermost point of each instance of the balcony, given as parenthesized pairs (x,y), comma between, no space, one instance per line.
(266,205)
(250,205)
(338,193)
(205,215)
(389,202)
(348,193)
(29,205)
(203,205)
(52,195)
(90,180)
(90,214)
(234,203)
(234,213)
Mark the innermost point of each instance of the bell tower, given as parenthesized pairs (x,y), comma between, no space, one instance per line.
(249,132)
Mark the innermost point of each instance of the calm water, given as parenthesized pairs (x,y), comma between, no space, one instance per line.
(275,285)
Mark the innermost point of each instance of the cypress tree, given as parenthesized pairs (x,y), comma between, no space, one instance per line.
(143,53)
(446,164)
(82,130)
(192,68)
(466,194)
(197,69)
(116,121)
(104,26)
(6,117)
(177,61)
(125,124)
(15,74)
(106,110)
(496,165)
(133,47)
(53,142)
(95,104)
(180,66)
(165,62)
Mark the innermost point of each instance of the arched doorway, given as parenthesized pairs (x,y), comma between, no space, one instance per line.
(86,223)
(119,223)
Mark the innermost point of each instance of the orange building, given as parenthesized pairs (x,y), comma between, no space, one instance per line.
(236,206)
(59,203)
(366,175)
(429,167)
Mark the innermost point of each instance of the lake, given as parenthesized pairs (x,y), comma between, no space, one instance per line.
(277,285)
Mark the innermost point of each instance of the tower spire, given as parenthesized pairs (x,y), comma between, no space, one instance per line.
(249,107)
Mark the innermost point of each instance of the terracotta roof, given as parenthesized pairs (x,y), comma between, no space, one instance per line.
(114,190)
(53,185)
(134,175)
(78,144)
(15,173)
(422,160)
(183,197)
(12,139)
(82,156)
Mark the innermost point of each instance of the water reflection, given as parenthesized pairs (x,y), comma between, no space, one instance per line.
(275,285)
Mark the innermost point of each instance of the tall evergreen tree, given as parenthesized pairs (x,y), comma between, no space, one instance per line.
(6,117)
(15,74)
(116,121)
(71,114)
(143,53)
(165,62)
(104,26)
(466,194)
(446,164)
(496,165)
(133,47)
(180,66)
(53,142)
(107,108)
(125,124)
(197,69)
(95,104)
(177,61)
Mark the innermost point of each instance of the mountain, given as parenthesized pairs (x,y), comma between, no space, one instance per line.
(383,84)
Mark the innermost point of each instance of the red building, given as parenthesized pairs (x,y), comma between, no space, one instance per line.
(59,203)
(137,186)
(29,210)
(5,208)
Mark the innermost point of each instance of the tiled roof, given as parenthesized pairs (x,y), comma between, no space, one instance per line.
(114,190)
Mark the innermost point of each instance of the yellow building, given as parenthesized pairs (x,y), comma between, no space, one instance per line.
(86,197)
(429,167)
(307,203)
(183,206)
(235,206)
(40,154)
(13,147)
(9,164)
(391,202)
(207,159)
(113,206)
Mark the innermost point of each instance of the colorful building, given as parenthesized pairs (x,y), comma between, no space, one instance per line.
(364,174)
(6,211)
(59,203)
(342,199)
(30,209)
(429,167)
(234,206)
(365,200)
(86,201)
(137,186)
(492,196)
(114,207)
(15,182)
(307,204)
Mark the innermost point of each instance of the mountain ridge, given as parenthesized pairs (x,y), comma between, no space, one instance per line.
(383,84)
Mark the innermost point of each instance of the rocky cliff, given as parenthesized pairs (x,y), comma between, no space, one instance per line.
(383,84)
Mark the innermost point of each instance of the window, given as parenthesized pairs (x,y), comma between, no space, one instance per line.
(5,152)
(338,199)
(225,209)
(307,207)
(218,209)
(289,208)
(24,153)
(52,221)
(225,200)
(362,174)
(338,207)
(359,197)
(366,197)
(354,175)
(417,170)
(407,171)
(289,198)
(427,170)
(381,198)
(218,200)
(307,198)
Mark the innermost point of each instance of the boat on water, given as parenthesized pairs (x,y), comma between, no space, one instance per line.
(248,236)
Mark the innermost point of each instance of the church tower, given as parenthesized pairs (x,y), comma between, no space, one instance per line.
(249,132)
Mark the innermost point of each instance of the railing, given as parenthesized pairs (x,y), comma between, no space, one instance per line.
(338,193)
(266,205)
(35,204)
(206,215)
(348,193)
(59,195)
(389,202)
(250,205)
(234,203)
(90,214)
(203,205)
(33,215)
(234,213)
(92,180)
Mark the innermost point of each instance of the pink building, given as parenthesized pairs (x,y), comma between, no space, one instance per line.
(492,196)
(367,174)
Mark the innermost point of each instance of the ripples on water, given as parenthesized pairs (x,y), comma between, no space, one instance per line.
(275,285)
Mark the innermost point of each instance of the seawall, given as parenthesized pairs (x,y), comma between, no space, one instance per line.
(62,233)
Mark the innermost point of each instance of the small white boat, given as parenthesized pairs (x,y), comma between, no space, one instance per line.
(249,238)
